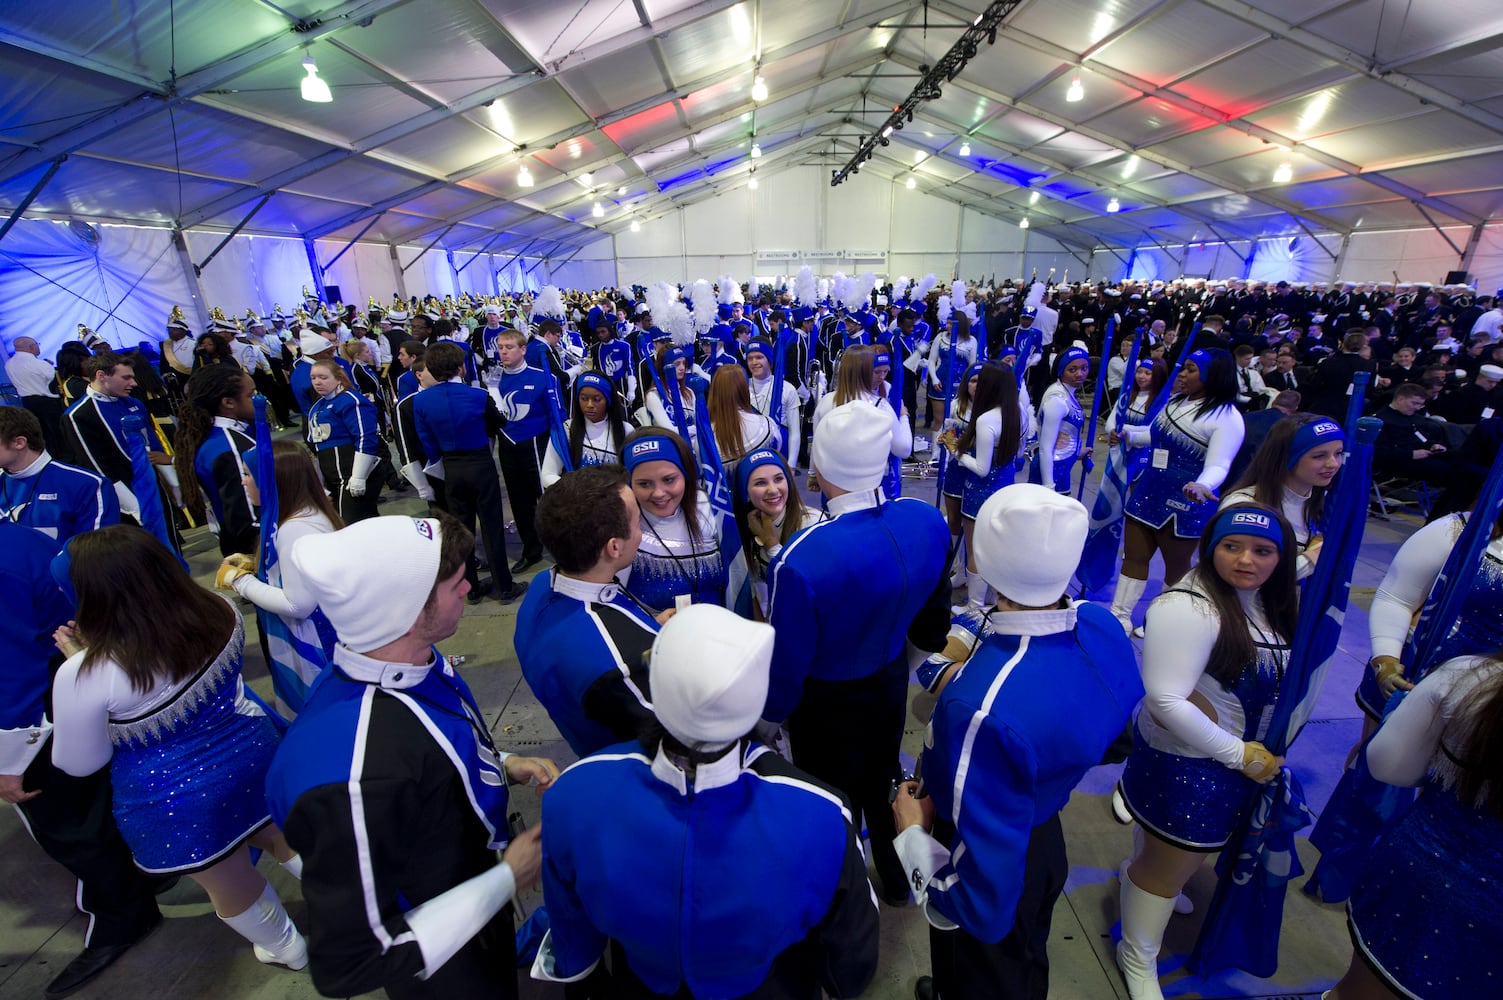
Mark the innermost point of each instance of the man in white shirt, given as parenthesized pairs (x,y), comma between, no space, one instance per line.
(1491,322)
(36,382)
(1250,385)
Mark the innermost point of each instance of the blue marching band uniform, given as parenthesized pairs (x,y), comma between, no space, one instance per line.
(342,430)
(58,499)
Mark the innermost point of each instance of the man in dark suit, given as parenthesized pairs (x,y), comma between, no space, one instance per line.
(1409,445)
(1256,426)
(1330,387)
(1283,378)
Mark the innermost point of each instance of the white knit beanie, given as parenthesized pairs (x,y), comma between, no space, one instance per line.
(1028,540)
(851,446)
(708,674)
(372,578)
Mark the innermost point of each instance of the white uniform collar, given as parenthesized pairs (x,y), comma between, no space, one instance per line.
(231,422)
(34,468)
(366,670)
(584,590)
(715,774)
(847,503)
(1049,622)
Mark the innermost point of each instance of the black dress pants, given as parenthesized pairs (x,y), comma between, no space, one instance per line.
(1017,967)
(848,734)
(72,821)
(472,492)
(521,467)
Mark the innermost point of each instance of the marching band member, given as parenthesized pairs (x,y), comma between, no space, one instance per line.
(1292,472)
(738,427)
(1194,439)
(1213,659)
(36,490)
(759,363)
(987,877)
(990,453)
(213,434)
(718,824)
(342,430)
(680,550)
(769,512)
(1061,423)
(596,428)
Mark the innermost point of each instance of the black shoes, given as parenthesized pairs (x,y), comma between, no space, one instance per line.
(924,989)
(526,561)
(511,593)
(91,962)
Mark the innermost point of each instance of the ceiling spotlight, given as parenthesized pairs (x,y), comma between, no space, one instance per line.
(1114,205)
(1284,174)
(598,211)
(315,89)
(1033,198)
(587,178)
(965,149)
(756,151)
(524,177)
(620,191)
(636,226)
(759,89)
(1076,91)
(887,132)
(1023,223)
(753,183)
(910,183)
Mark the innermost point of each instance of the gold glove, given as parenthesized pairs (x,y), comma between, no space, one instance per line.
(1258,763)
(233,566)
(1390,673)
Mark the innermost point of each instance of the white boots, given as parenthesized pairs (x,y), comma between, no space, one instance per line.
(1144,918)
(975,590)
(1125,598)
(267,926)
(957,565)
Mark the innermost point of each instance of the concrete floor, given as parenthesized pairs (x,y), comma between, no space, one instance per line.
(194,955)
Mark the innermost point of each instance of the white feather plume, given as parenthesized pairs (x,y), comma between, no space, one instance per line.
(730,291)
(957,293)
(703,297)
(942,310)
(924,286)
(864,285)
(670,313)
(823,290)
(549,302)
(803,286)
(659,297)
(901,289)
(840,287)
(753,288)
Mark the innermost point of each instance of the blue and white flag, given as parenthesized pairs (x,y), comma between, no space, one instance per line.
(144,483)
(1097,571)
(717,488)
(1241,929)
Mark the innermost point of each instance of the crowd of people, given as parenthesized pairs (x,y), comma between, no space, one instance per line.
(766,513)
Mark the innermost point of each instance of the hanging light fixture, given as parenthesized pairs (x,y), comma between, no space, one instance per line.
(1114,205)
(753,183)
(524,177)
(1076,91)
(586,179)
(1033,198)
(910,183)
(1284,174)
(621,191)
(756,151)
(636,226)
(598,211)
(1023,223)
(965,149)
(759,89)
(315,89)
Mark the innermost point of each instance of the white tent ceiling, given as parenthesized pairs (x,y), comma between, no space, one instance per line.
(1389,113)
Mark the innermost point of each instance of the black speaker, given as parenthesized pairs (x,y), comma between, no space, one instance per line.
(1457,278)
(331,294)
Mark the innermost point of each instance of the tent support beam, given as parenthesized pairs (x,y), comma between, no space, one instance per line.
(199,267)
(561,263)
(31,195)
(313,267)
(479,253)
(1226,241)
(1346,241)
(1472,242)
(425,249)
(346,248)
(397,270)
(190,275)
(516,256)
(1318,243)
(1436,226)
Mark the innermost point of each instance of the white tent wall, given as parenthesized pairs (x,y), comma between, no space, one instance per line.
(593,267)
(1416,254)
(361,271)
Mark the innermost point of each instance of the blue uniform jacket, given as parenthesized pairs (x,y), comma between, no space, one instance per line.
(303,395)
(524,403)
(752,860)
(32,609)
(407,384)
(220,465)
(343,419)
(582,657)
(452,416)
(1012,734)
(844,595)
(59,500)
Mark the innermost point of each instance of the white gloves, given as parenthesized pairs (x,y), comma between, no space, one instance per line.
(364,465)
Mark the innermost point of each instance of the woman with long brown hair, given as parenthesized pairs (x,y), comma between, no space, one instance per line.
(165,709)
(769,512)
(739,428)
(304,510)
(1213,664)
(988,453)
(680,550)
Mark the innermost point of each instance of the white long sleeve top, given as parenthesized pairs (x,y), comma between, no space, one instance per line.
(761,394)
(1433,718)
(1293,508)
(1179,632)
(1057,438)
(1222,430)
(1409,579)
(286,594)
(598,443)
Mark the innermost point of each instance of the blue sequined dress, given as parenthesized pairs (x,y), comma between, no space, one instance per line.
(1428,913)
(189,776)
(1194,802)
(670,563)
(1157,498)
